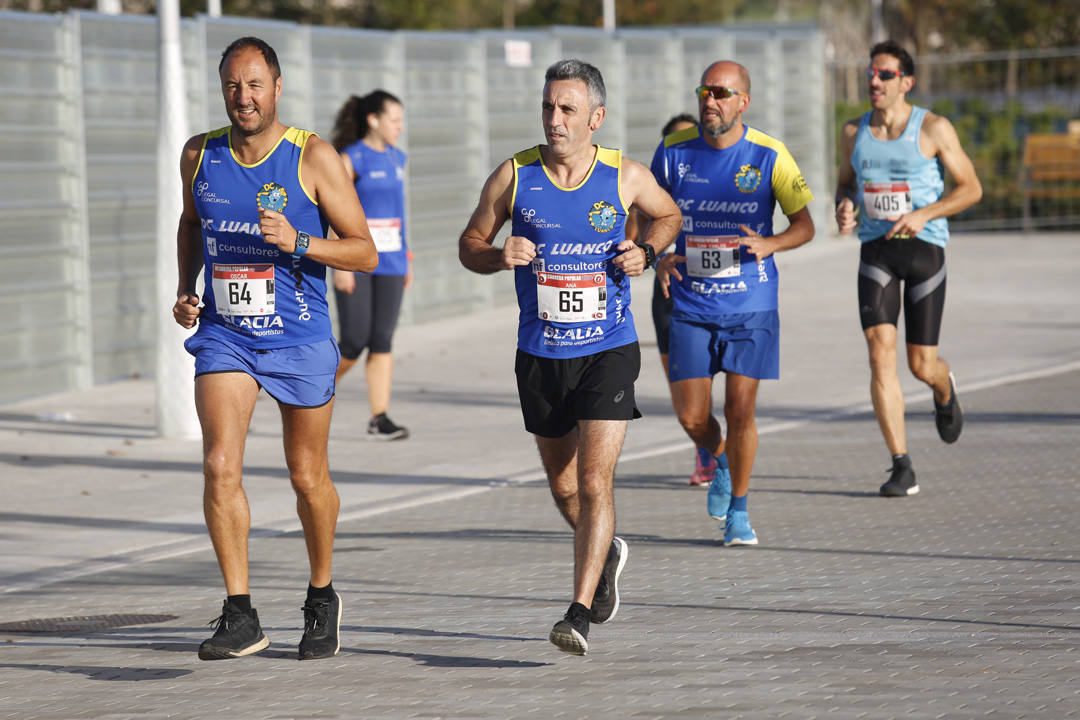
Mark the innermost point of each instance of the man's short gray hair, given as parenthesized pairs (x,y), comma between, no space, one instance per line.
(586,73)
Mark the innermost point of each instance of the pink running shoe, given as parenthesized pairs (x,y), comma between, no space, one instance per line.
(705,469)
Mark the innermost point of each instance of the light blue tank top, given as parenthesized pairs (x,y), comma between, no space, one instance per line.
(573,301)
(894,175)
(256,295)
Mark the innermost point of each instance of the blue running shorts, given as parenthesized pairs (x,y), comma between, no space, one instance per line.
(301,375)
(742,343)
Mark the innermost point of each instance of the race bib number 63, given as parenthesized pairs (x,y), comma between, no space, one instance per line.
(712,257)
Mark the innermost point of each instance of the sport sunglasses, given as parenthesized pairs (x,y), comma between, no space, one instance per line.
(717,91)
(883,74)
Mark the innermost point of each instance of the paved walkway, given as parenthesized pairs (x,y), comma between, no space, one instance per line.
(963,601)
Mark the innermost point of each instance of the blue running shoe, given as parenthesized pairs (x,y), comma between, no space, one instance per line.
(719,492)
(737,530)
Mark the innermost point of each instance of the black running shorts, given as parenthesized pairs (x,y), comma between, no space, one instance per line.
(556,393)
(883,265)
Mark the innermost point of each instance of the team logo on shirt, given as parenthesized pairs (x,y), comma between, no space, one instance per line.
(748,178)
(272,197)
(602,216)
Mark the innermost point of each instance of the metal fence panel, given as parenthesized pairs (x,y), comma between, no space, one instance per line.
(654,92)
(44,300)
(119,80)
(448,163)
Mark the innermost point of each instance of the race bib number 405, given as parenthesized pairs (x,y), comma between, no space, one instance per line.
(887,200)
(386,232)
(571,298)
(712,257)
(244,289)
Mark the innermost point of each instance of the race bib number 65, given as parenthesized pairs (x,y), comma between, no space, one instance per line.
(244,289)
(571,298)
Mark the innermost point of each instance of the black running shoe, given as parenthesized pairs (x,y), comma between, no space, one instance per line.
(901,483)
(381,427)
(236,633)
(322,622)
(605,602)
(949,417)
(571,633)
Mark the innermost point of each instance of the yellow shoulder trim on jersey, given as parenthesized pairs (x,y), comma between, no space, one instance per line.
(527,156)
(682,136)
(612,157)
(759,138)
(521,159)
(300,138)
(202,151)
(609,156)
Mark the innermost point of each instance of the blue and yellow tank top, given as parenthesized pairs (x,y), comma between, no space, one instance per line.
(380,185)
(573,301)
(256,295)
(718,190)
(894,178)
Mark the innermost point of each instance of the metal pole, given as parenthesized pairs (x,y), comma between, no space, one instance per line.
(175,369)
(213,8)
(609,15)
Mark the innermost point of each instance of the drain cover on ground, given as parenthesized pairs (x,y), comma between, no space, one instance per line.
(82,623)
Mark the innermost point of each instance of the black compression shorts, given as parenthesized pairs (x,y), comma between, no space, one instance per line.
(920,266)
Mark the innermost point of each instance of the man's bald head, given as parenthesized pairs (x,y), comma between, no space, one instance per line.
(728,74)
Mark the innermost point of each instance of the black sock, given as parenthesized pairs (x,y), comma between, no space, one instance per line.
(901,461)
(323,593)
(240,602)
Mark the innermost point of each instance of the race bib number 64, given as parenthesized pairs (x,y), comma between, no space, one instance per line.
(244,289)
(571,297)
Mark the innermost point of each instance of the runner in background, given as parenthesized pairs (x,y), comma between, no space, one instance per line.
(365,133)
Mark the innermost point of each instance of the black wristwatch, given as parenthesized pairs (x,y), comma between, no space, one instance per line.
(650,254)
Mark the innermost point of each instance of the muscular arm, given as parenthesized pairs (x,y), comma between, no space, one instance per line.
(189,258)
(968,189)
(476,248)
(350,246)
(846,188)
(642,193)
(938,139)
(322,170)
